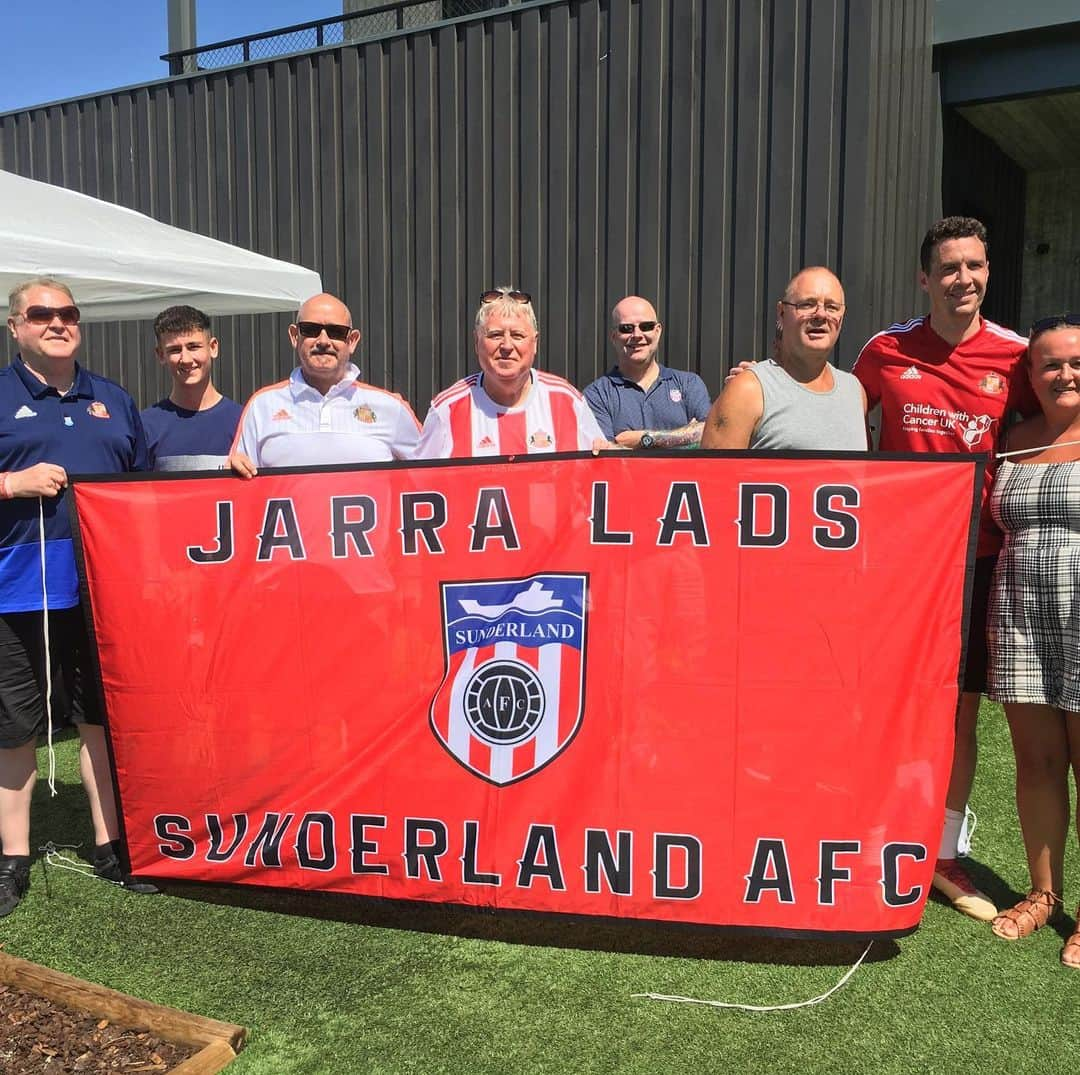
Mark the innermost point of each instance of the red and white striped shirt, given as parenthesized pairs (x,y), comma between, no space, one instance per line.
(465,421)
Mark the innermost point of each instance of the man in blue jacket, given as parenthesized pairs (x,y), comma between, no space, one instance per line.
(56,419)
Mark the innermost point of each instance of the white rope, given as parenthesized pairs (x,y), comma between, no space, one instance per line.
(967,832)
(52,857)
(1041,448)
(763,1008)
(48,655)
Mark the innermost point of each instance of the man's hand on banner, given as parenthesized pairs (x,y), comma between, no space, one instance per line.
(42,479)
(242,465)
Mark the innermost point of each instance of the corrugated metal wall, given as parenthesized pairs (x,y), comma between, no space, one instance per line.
(695,151)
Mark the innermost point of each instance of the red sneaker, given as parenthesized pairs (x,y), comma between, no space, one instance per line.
(952,881)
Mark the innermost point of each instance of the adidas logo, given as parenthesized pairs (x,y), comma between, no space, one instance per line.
(25,412)
(485,442)
(281,416)
(911,374)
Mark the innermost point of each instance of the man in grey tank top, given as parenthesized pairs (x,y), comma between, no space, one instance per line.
(795,400)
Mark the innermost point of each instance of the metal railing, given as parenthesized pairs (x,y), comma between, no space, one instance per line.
(339,30)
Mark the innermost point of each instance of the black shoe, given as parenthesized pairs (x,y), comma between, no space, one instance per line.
(107,866)
(14,881)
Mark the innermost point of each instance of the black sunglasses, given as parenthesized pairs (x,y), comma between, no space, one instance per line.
(1044,324)
(627,327)
(310,330)
(43,315)
(496,293)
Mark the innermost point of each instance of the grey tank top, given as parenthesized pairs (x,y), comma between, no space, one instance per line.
(794,418)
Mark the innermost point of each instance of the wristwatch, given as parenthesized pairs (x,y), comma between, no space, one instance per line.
(647,440)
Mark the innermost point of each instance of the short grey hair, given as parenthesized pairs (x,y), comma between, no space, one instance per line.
(19,290)
(505,306)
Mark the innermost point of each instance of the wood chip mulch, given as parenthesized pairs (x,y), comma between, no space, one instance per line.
(37,1036)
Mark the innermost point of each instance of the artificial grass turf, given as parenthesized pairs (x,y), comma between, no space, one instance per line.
(400,989)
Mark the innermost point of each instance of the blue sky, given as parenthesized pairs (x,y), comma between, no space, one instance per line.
(77,47)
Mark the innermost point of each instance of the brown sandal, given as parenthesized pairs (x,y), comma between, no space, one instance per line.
(1030,914)
(1072,947)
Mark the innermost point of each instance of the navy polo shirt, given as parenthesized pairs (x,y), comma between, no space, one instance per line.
(179,439)
(673,399)
(94,429)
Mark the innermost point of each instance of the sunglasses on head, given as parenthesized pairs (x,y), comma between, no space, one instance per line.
(1044,324)
(497,293)
(44,315)
(310,330)
(627,327)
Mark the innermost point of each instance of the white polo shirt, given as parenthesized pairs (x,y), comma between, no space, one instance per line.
(291,424)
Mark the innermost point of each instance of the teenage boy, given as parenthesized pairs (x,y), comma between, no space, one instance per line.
(193,428)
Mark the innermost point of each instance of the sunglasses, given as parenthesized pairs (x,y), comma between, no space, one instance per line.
(627,327)
(1044,324)
(310,330)
(496,293)
(44,315)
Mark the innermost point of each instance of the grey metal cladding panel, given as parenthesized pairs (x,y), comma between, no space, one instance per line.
(559,171)
(421,325)
(530,189)
(447,362)
(861,180)
(678,296)
(752,232)
(903,165)
(368,296)
(710,335)
(399,337)
(891,153)
(474,193)
(503,98)
(822,119)
(788,134)
(653,160)
(301,181)
(590,157)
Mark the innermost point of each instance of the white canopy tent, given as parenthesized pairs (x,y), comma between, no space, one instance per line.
(123,265)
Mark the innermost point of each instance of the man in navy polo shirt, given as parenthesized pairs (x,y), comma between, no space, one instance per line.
(56,419)
(639,403)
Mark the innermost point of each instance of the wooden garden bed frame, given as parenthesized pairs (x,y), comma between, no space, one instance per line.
(218,1042)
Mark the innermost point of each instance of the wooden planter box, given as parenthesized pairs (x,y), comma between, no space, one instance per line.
(220,1042)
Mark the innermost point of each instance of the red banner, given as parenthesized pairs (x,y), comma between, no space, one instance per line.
(704,688)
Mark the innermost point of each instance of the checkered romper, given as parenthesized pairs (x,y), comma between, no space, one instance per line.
(1033,624)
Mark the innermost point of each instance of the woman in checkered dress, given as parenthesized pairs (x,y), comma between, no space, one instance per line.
(1033,628)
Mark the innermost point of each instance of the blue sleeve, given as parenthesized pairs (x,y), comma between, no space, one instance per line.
(140,455)
(597,405)
(153,435)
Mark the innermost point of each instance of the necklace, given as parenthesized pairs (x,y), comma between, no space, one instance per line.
(1041,448)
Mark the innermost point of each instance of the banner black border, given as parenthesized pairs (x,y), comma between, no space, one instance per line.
(979,459)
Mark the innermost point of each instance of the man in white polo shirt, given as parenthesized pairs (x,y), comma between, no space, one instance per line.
(323,413)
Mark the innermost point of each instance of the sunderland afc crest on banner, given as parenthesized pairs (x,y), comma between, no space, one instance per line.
(513,693)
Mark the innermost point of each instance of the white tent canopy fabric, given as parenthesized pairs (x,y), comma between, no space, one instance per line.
(122,265)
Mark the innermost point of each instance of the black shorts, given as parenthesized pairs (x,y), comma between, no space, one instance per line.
(22,674)
(973,676)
